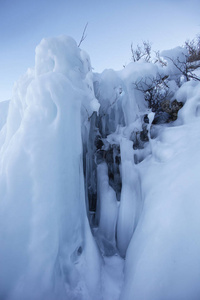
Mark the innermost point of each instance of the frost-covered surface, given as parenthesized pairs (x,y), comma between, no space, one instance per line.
(96,201)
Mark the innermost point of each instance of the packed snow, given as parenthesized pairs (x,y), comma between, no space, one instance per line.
(99,193)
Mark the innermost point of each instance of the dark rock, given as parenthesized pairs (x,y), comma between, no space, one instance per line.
(98,142)
(109,156)
(166,106)
(92,199)
(118,160)
(146,119)
(99,156)
(168,112)
(111,176)
(139,138)
(144,134)
(161,117)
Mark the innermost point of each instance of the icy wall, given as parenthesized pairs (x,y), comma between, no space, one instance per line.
(99,192)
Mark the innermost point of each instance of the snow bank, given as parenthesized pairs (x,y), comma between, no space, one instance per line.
(162,261)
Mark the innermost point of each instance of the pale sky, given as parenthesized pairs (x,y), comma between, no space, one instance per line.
(112,27)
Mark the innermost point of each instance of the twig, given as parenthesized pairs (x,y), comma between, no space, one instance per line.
(83,35)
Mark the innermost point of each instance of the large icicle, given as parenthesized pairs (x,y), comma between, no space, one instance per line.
(107,209)
(131,201)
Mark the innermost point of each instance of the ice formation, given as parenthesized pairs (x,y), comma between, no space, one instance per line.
(99,195)
(47,250)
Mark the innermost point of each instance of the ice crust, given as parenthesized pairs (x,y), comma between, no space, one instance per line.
(145,246)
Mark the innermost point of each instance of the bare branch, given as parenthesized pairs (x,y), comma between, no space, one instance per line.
(155,90)
(143,51)
(184,68)
(193,48)
(83,37)
(159,59)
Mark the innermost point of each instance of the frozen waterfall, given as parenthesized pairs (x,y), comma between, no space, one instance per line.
(98,201)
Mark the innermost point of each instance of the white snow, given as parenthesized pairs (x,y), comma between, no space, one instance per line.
(162,261)
(145,246)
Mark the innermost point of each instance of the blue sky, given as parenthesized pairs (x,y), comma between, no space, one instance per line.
(112,27)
